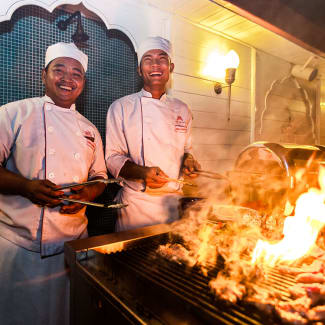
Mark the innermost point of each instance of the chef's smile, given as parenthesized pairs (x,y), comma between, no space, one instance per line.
(64,80)
(67,88)
(155,68)
(155,74)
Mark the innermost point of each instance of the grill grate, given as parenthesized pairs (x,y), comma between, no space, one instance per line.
(192,287)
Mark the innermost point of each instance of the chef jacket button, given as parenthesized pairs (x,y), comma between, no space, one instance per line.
(75,178)
(52,151)
(50,129)
(48,108)
(77,155)
(51,175)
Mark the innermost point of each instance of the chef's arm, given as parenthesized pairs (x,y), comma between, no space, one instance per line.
(41,192)
(153,177)
(190,165)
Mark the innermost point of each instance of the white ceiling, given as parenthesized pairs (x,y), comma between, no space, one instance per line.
(220,20)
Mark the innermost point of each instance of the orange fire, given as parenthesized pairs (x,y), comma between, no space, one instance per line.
(300,231)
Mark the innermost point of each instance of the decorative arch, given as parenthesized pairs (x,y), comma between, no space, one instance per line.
(135,19)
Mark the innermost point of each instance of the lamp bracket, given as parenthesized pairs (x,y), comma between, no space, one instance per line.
(218,86)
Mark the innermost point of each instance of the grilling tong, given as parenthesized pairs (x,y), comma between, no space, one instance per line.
(209,174)
(99,205)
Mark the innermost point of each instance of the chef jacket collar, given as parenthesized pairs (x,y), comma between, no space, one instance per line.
(144,93)
(48,99)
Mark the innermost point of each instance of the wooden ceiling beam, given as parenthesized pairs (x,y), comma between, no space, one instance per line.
(299,21)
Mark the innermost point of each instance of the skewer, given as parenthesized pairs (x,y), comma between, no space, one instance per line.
(180,181)
(100,180)
(99,205)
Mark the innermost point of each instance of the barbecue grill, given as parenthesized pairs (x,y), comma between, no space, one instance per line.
(133,285)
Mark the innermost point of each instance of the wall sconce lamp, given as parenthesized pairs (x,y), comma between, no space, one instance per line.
(79,35)
(231,64)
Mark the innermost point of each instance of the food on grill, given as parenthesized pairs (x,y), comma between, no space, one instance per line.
(227,289)
(309,297)
(310,278)
(316,267)
(291,317)
(316,314)
(300,305)
(262,301)
(176,253)
(298,290)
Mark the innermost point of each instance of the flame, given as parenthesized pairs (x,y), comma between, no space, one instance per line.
(204,235)
(300,231)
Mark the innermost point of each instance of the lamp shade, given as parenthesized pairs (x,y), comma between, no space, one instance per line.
(231,60)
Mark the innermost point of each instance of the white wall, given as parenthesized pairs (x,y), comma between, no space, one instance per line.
(285,106)
(216,141)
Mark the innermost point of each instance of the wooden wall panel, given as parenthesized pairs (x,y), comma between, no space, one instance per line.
(216,141)
(220,122)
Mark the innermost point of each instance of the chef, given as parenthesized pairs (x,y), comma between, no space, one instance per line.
(44,144)
(148,142)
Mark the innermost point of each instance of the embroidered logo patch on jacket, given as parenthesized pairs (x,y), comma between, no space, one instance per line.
(180,125)
(90,136)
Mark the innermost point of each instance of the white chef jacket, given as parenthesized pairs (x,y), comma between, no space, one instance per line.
(149,132)
(40,140)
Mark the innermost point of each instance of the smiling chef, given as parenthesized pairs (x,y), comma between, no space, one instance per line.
(148,142)
(44,144)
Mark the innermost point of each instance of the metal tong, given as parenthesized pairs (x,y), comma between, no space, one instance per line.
(99,180)
(99,205)
(209,174)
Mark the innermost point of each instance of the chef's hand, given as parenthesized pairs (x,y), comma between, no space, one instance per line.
(82,193)
(154,177)
(42,192)
(190,165)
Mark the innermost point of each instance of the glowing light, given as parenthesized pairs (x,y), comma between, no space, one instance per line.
(231,60)
(300,231)
(217,64)
(214,67)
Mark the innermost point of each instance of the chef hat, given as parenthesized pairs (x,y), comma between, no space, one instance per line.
(68,50)
(155,43)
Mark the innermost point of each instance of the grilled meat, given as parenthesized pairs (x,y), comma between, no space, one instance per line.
(291,318)
(176,253)
(227,289)
(310,278)
(317,313)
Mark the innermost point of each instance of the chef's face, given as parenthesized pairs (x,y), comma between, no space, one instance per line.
(64,80)
(155,68)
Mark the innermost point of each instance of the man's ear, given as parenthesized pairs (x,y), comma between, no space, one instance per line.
(139,71)
(43,76)
(171,68)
